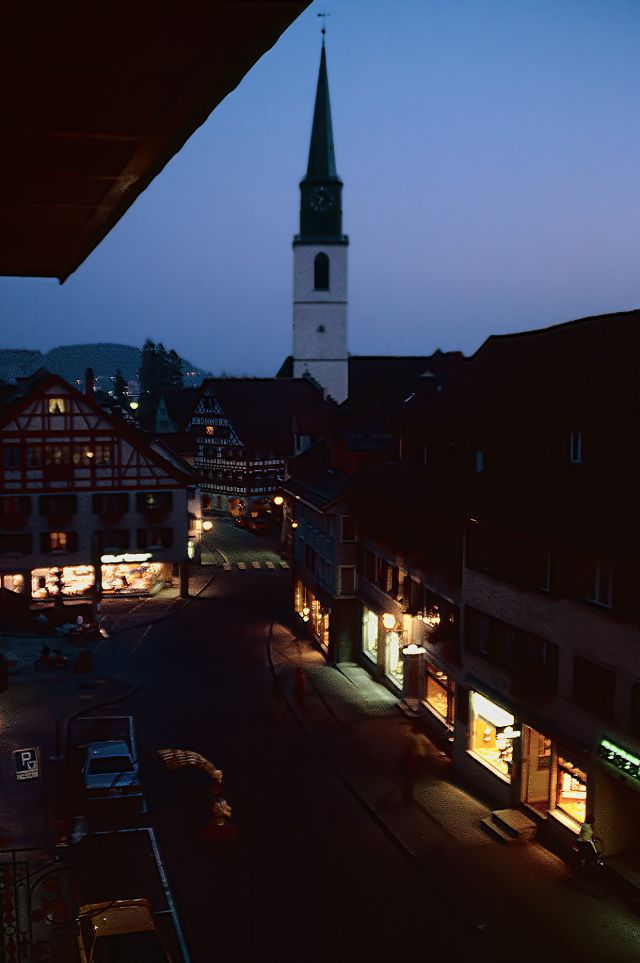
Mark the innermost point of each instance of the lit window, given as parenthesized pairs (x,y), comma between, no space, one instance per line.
(57,406)
(370,634)
(58,541)
(439,692)
(575,447)
(393,657)
(571,790)
(492,734)
(208,429)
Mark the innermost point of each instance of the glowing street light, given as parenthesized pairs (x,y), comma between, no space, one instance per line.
(278,500)
(294,524)
(134,405)
(207,526)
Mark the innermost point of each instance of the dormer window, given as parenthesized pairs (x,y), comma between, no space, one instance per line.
(575,447)
(321,272)
(57,406)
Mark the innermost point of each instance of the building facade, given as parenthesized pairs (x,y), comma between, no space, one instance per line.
(87,502)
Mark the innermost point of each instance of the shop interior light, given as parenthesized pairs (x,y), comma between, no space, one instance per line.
(413,649)
(389,620)
(498,716)
(306,610)
(278,500)
(207,526)
(133,405)
(89,453)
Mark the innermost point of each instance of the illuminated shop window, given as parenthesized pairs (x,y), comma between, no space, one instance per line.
(492,734)
(74,580)
(14,583)
(134,578)
(57,541)
(439,692)
(393,658)
(57,406)
(571,790)
(370,634)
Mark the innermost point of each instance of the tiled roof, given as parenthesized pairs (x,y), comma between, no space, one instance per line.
(266,412)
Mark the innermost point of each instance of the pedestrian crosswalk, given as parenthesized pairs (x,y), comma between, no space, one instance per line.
(254,566)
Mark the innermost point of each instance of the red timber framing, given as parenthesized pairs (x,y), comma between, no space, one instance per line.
(54,439)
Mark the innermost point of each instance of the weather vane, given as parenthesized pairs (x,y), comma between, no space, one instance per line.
(324,23)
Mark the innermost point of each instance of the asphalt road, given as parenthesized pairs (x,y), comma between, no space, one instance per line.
(310,876)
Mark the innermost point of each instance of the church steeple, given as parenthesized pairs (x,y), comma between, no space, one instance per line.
(322,159)
(320,260)
(321,188)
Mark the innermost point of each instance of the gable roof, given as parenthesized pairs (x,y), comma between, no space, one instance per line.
(26,390)
(267,412)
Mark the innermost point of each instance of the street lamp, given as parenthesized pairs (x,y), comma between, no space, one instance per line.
(389,620)
(207,526)
(278,500)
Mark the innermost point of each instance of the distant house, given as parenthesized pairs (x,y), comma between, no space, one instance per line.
(245,430)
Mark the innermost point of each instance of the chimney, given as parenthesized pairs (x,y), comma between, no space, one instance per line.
(89,383)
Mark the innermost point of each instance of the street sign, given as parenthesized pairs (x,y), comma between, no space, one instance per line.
(27,763)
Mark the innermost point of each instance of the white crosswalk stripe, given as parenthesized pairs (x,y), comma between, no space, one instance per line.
(255,564)
(242,566)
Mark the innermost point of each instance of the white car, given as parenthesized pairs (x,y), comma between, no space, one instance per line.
(110,770)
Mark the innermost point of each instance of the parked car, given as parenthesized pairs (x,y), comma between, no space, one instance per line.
(119,931)
(241,521)
(110,770)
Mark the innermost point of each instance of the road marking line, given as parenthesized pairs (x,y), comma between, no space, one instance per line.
(270,565)
(242,566)
(227,567)
(140,640)
(256,564)
(284,565)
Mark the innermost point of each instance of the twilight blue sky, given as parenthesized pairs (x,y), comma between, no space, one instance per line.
(490,151)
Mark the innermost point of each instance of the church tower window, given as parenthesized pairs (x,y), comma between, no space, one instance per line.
(321,272)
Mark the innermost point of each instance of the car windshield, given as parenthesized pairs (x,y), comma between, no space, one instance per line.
(99,767)
(129,948)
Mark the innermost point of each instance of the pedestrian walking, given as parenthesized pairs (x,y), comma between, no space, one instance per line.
(301,686)
(411,766)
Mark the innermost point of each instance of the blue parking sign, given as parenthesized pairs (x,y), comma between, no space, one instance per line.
(27,764)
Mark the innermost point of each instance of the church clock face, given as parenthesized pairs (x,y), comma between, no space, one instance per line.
(322,199)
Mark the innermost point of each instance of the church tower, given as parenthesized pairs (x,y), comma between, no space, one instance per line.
(320,260)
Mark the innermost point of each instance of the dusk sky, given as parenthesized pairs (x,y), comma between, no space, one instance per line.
(490,152)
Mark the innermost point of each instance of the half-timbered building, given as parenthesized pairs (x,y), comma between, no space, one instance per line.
(87,501)
(245,429)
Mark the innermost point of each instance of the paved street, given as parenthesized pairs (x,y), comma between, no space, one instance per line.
(326,864)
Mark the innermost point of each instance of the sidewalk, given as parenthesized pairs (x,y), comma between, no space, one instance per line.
(521,891)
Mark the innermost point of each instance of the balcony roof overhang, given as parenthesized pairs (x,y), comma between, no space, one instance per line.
(97,99)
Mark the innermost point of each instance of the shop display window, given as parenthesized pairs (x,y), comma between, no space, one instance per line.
(492,734)
(133,578)
(72,580)
(310,610)
(394,662)
(571,790)
(14,583)
(439,692)
(370,634)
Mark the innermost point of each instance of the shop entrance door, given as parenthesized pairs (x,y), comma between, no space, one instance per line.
(536,769)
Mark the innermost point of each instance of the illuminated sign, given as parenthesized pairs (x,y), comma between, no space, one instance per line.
(126,557)
(619,758)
